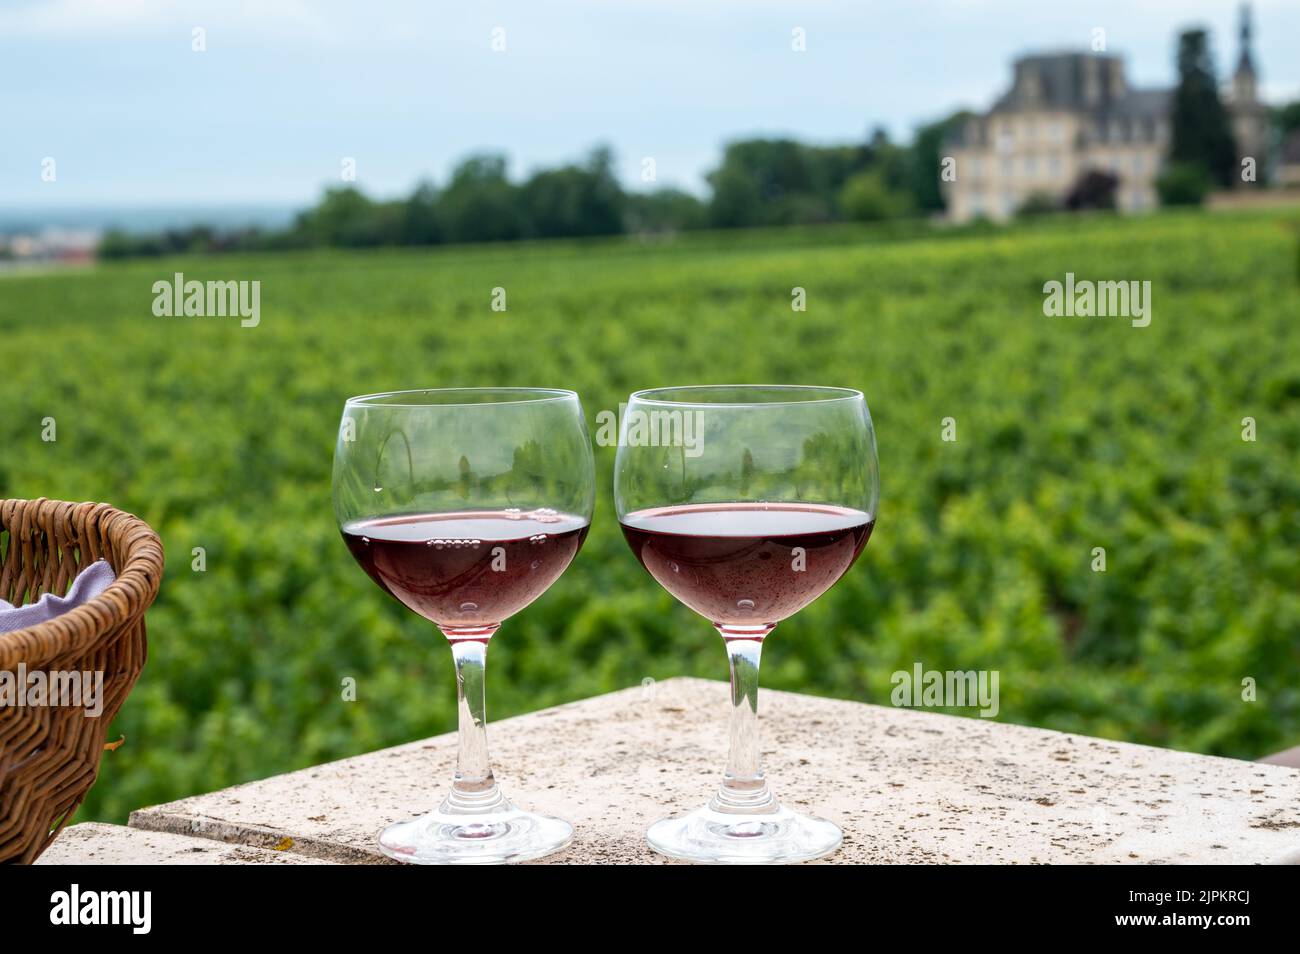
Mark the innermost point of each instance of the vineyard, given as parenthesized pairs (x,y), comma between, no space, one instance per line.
(1072,434)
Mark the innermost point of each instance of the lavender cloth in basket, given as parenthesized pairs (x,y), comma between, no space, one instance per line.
(89,583)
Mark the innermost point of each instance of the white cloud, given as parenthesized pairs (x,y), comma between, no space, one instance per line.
(47,18)
(78,16)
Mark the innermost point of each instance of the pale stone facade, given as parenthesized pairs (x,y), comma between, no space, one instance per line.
(1288,169)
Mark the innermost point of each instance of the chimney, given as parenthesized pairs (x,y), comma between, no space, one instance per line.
(1116,85)
(1091,81)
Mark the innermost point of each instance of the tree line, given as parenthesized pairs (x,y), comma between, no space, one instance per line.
(759,182)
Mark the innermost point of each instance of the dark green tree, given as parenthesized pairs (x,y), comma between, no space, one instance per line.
(867,198)
(926,159)
(575,200)
(346,217)
(1201,134)
(1287,118)
(737,198)
(887,158)
(480,204)
(757,180)
(422,217)
(1184,183)
(664,210)
(783,182)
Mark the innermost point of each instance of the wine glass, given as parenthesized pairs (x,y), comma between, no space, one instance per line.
(746,503)
(466,505)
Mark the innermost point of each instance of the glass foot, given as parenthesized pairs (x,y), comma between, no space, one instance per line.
(489,838)
(718,838)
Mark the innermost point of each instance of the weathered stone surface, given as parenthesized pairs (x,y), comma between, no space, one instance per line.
(906,786)
(92,843)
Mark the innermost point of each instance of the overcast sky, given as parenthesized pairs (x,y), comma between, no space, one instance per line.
(114,93)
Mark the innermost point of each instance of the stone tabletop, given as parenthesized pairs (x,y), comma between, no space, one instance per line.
(95,844)
(905,785)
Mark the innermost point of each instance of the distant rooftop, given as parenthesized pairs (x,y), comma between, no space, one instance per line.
(1074,81)
(1080,81)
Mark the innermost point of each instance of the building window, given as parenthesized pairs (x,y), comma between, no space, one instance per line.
(1008,168)
(1031,166)
(1054,167)
(1137,164)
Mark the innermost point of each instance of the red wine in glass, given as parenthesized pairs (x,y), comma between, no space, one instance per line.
(418,485)
(747,564)
(691,517)
(468,569)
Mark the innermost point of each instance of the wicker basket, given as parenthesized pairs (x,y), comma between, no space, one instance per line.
(49,755)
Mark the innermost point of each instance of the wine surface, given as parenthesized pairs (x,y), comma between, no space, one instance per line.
(747,564)
(466,569)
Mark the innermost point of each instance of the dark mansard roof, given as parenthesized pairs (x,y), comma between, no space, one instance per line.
(1085,83)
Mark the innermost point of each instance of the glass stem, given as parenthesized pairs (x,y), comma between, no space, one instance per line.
(474,789)
(744,789)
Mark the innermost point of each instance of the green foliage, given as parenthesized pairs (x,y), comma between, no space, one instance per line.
(737,198)
(422,220)
(575,200)
(1038,203)
(866,198)
(1184,183)
(480,203)
(1201,133)
(926,160)
(117,244)
(771,182)
(1287,118)
(346,218)
(664,210)
(1072,434)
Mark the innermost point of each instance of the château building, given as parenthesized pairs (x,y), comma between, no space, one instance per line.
(1068,114)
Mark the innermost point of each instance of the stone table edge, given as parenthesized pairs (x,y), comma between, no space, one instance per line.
(170,817)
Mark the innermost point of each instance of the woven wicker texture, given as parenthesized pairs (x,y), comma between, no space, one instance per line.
(49,755)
